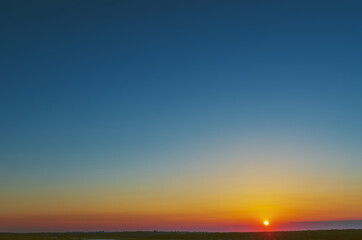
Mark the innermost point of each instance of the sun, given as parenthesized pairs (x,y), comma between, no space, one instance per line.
(266,223)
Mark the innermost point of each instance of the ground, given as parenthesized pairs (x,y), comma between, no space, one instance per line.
(300,235)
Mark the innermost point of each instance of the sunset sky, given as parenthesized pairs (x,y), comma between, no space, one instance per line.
(180,115)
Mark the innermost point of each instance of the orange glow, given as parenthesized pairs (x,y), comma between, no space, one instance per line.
(242,197)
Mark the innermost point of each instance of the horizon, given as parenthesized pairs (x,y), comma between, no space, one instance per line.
(204,114)
(287,227)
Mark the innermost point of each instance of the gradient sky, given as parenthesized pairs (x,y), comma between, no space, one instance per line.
(180,115)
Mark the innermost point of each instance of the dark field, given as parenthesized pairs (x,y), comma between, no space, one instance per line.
(300,235)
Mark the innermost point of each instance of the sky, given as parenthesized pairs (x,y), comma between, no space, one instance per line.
(180,115)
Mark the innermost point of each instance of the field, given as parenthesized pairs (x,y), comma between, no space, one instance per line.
(297,235)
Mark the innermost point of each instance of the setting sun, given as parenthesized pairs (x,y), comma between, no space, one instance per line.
(266,223)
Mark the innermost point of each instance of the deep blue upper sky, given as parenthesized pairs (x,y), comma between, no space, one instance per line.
(134,81)
(85,74)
